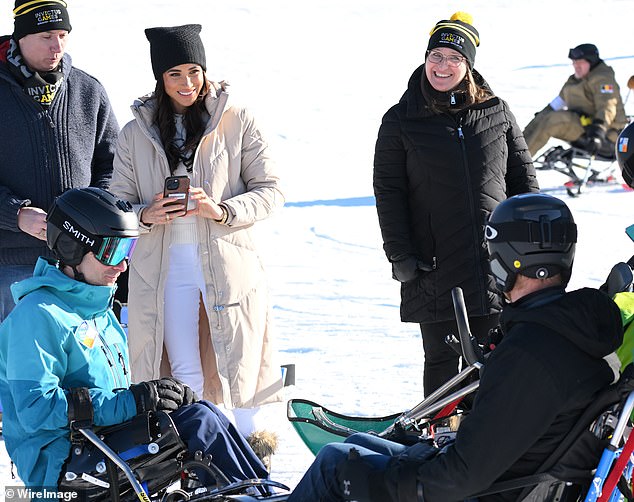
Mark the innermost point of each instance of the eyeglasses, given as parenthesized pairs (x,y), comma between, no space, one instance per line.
(114,250)
(438,57)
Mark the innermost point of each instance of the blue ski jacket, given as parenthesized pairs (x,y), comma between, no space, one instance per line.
(62,334)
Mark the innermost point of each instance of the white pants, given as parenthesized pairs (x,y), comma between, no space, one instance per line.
(183,288)
(184,284)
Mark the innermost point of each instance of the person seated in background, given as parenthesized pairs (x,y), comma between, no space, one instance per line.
(64,356)
(588,112)
(556,356)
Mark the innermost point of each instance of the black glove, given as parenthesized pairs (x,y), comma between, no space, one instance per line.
(166,394)
(359,481)
(407,269)
(595,137)
(189,396)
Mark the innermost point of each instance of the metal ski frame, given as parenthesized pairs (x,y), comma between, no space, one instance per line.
(435,401)
(566,160)
(590,173)
(261,485)
(108,452)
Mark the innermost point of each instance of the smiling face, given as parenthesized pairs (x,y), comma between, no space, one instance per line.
(44,51)
(183,84)
(444,76)
(96,273)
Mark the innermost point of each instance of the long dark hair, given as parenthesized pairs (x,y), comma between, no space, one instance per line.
(194,120)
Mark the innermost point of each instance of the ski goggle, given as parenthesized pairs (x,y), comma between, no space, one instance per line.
(114,250)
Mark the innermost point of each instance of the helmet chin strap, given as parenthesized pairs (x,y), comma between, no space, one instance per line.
(78,276)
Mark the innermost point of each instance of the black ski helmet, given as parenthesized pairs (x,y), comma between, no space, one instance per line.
(589,52)
(91,219)
(533,235)
(625,154)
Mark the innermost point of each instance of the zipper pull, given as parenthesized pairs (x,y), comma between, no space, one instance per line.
(460,135)
(125,370)
(105,352)
(452,99)
(122,361)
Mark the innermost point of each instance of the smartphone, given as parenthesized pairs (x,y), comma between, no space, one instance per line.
(177,189)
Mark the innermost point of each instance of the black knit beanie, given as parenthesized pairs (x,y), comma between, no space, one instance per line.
(456,33)
(175,45)
(36,16)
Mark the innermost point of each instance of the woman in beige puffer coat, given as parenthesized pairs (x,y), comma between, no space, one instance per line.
(234,183)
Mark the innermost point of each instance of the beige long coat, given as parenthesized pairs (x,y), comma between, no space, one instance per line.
(232,164)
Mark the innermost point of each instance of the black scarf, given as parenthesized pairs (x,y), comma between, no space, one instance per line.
(41,87)
(446,101)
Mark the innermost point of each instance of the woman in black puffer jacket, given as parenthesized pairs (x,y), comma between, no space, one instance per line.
(446,155)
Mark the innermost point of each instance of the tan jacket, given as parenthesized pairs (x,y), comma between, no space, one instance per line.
(232,164)
(597,95)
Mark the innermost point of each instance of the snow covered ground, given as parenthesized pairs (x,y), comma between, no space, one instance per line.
(319,76)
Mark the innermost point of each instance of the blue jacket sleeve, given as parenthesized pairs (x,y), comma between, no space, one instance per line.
(41,366)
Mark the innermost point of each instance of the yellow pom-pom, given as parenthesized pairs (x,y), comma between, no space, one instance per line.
(465,17)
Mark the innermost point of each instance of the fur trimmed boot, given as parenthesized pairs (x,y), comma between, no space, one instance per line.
(264,444)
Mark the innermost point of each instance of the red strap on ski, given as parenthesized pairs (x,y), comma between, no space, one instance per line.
(448,410)
(617,470)
(445,412)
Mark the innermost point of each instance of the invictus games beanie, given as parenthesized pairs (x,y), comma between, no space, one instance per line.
(458,34)
(36,16)
(175,45)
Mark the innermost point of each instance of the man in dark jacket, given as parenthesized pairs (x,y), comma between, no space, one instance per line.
(588,111)
(444,159)
(57,131)
(556,356)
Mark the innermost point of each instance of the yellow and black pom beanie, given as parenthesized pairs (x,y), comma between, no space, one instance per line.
(456,33)
(36,16)
(175,45)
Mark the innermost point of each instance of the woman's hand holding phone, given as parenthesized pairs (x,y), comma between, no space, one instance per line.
(162,210)
(205,205)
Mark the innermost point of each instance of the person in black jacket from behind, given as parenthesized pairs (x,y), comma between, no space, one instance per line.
(556,356)
(446,155)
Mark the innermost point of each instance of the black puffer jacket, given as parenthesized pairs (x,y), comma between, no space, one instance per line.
(557,354)
(437,177)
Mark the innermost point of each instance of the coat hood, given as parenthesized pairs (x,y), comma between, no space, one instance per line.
(87,300)
(596,328)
